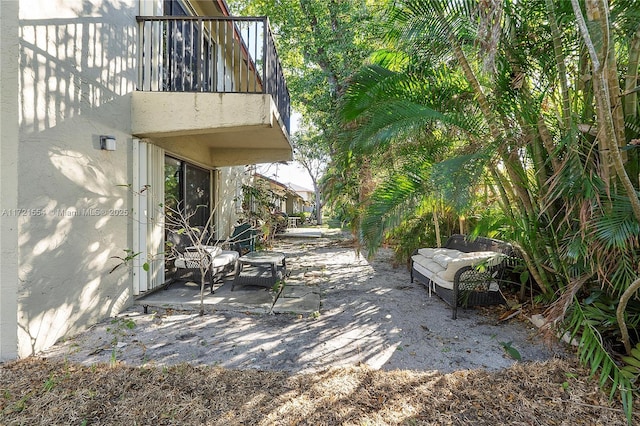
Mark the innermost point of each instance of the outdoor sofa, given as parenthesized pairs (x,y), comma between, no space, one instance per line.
(464,272)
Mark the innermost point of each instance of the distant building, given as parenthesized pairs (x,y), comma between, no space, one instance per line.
(285,198)
(308,195)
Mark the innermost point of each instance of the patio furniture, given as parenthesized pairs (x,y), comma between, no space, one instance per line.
(293,221)
(243,238)
(214,261)
(463,272)
(188,258)
(260,268)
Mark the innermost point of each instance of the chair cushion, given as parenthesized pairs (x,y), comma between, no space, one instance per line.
(427,263)
(469,259)
(430,252)
(190,259)
(213,251)
(226,257)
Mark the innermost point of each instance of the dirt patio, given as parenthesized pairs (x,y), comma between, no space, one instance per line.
(368,313)
(380,351)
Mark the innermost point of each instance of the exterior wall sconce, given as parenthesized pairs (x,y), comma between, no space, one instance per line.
(108,143)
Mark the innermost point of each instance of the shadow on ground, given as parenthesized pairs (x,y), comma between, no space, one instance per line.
(368,313)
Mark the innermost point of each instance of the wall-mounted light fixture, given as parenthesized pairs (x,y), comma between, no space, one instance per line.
(108,143)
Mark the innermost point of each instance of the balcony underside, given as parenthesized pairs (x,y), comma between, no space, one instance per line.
(214,129)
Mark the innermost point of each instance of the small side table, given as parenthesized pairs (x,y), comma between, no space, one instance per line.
(265,269)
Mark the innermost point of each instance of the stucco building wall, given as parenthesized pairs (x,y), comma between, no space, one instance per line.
(77,72)
(68,75)
(229,198)
(8,179)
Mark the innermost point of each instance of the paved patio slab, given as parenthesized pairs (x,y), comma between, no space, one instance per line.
(185,296)
(297,298)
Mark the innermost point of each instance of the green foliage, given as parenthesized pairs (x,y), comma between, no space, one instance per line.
(511,351)
(593,352)
(312,153)
(126,260)
(481,110)
(50,383)
(321,44)
(413,233)
(632,368)
(119,327)
(514,165)
(259,208)
(389,204)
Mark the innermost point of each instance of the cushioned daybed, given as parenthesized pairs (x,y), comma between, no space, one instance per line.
(463,272)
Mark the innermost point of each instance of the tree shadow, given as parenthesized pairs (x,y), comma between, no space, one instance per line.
(76,78)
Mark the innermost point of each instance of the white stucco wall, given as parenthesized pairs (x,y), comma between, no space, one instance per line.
(76,77)
(8,179)
(229,186)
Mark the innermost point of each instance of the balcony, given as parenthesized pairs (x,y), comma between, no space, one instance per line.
(211,88)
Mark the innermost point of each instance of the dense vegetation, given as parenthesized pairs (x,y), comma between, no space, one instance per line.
(516,120)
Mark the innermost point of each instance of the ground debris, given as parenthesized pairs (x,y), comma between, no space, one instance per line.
(556,392)
(382,351)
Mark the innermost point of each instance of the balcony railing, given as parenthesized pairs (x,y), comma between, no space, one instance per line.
(211,54)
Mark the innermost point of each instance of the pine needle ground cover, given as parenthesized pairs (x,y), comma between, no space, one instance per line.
(557,392)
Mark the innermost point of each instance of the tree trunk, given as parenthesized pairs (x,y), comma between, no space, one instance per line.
(631,80)
(318,196)
(622,306)
(436,225)
(562,68)
(608,135)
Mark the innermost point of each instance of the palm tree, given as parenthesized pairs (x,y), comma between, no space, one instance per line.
(494,94)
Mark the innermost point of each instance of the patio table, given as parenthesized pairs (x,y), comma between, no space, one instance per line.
(260,268)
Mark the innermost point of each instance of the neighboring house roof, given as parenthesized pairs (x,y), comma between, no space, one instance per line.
(306,193)
(286,189)
(298,188)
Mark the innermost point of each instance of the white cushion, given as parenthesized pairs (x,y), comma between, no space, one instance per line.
(433,277)
(476,258)
(226,257)
(192,256)
(180,263)
(444,259)
(430,252)
(212,250)
(427,263)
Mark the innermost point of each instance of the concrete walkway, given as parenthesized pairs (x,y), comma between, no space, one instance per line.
(311,232)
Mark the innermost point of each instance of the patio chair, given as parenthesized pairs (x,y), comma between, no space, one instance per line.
(243,238)
(189,259)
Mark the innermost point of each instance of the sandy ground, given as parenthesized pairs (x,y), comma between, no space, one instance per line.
(371,314)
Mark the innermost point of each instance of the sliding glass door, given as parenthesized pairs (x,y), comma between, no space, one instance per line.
(187,190)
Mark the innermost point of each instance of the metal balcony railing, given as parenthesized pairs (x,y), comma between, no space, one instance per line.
(211,54)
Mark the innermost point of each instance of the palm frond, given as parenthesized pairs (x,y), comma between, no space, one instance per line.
(457,178)
(393,199)
(617,226)
(593,353)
